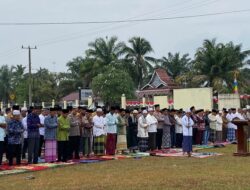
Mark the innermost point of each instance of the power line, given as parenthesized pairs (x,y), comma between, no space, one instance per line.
(120,21)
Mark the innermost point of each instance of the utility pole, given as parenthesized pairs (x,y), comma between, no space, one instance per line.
(30,80)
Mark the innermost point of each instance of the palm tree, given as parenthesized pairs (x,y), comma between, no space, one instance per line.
(105,51)
(215,64)
(6,83)
(137,55)
(175,64)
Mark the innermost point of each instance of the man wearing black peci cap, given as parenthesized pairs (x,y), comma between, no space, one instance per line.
(33,125)
(63,136)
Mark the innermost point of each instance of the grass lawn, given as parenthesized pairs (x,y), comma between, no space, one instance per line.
(221,172)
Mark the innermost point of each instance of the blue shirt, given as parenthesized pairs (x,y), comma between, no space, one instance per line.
(15,130)
(33,128)
(111,122)
(50,125)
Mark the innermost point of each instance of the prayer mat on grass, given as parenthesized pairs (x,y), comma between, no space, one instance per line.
(194,154)
(89,161)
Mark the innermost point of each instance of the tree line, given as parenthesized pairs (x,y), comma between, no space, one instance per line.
(112,67)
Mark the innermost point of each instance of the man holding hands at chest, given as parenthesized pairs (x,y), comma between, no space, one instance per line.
(33,125)
(187,124)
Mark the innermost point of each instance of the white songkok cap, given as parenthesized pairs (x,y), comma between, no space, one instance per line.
(220,112)
(24,109)
(99,110)
(188,110)
(144,111)
(16,112)
(150,109)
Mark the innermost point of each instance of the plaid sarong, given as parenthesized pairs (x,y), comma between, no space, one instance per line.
(99,145)
(166,137)
(86,146)
(231,134)
(50,150)
(212,135)
(143,144)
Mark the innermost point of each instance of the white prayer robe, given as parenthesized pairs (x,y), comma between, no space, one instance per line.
(187,125)
(230,118)
(142,127)
(99,126)
(178,124)
(152,123)
(219,123)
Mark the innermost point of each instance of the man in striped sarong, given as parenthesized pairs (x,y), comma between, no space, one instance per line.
(50,126)
(99,133)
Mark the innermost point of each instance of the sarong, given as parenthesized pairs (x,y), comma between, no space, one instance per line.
(143,144)
(111,144)
(231,134)
(152,141)
(99,145)
(121,142)
(50,150)
(187,144)
(86,146)
(212,135)
(166,137)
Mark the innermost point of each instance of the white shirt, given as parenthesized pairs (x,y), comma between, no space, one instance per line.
(41,129)
(99,125)
(152,123)
(230,118)
(142,127)
(178,124)
(2,131)
(25,127)
(219,123)
(187,124)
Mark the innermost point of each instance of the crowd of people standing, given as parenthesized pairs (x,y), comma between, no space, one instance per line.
(66,134)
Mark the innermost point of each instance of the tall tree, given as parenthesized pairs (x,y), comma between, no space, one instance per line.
(6,83)
(105,51)
(215,64)
(137,54)
(111,84)
(175,64)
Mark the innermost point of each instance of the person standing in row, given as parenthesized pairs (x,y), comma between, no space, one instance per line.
(200,126)
(159,135)
(122,130)
(33,125)
(2,135)
(152,129)
(212,124)
(143,132)
(132,131)
(219,126)
(50,126)
(63,136)
(87,133)
(112,122)
(25,133)
(178,129)
(99,133)
(15,131)
(42,116)
(187,124)
(166,137)
(74,134)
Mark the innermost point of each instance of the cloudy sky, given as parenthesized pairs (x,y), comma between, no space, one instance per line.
(58,44)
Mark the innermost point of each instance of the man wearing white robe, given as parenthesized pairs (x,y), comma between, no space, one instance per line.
(152,129)
(187,124)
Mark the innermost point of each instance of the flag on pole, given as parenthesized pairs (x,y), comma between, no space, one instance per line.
(235,85)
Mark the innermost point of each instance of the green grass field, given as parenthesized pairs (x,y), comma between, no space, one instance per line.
(215,173)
